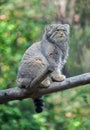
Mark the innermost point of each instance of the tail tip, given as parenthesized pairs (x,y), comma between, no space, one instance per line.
(38,105)
(39,109)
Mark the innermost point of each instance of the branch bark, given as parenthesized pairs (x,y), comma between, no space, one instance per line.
(22,93)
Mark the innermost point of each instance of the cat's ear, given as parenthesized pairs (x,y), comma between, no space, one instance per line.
(67,27)
(48,28)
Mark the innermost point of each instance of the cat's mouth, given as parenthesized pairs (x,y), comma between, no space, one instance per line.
(60,36)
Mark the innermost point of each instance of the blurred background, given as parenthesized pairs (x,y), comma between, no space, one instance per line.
(22,22)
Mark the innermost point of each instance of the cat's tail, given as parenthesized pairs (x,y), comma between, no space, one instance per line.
(38,102)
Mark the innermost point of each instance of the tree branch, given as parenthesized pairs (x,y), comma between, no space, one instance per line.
(22,93)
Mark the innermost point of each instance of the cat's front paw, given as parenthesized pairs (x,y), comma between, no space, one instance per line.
(45,83)
(58,78)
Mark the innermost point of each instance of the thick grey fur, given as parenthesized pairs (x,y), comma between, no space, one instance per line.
(51,51)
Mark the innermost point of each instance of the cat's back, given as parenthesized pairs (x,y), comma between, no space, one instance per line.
(35,47)
(33,51)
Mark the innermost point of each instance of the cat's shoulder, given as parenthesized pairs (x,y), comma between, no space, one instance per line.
(34,47)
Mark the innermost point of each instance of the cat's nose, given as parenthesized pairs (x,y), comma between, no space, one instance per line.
(61,33)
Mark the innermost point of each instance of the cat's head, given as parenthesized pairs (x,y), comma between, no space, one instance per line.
(57,33)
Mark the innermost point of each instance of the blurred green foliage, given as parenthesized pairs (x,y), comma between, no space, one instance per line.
(21,24)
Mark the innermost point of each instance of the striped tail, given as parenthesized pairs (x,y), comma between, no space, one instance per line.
(38,102)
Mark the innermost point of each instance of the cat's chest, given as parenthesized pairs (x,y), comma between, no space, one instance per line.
(59,54)
(56,54)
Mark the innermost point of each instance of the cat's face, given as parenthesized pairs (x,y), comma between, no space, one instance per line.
(57,33)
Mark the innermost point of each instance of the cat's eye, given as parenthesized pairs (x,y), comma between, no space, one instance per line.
(64,30)
(58,30)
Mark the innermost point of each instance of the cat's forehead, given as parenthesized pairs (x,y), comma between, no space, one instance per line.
(59,26)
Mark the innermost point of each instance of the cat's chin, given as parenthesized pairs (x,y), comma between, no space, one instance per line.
(61,39)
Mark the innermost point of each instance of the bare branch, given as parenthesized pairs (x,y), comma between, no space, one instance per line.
(21,93)
(71,82)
